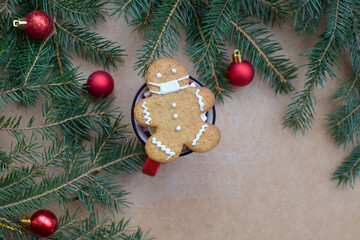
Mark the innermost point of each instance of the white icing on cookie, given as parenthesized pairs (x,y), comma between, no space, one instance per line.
(170,86)
(175,116)
(200,98)
(203,117)
(163,148)
(173,70)
(173,105)
(147,114)
(158,75)
(178,128)
(199,134)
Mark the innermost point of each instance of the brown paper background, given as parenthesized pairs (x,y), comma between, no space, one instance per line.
(261,182)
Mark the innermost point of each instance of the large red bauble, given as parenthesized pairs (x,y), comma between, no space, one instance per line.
(39,25)
(100,84)
(43,223)
(240,73)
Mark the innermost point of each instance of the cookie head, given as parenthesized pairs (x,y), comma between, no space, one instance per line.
(166,75)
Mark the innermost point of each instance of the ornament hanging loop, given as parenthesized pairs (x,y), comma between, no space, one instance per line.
(21,23)
(237,58)
(11,228)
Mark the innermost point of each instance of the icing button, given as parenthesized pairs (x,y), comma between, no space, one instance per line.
(178,128)
(175,116)
(173,70)
(158,75)
(173,105)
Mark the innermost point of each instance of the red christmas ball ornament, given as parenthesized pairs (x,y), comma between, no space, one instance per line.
(240,72)
(43,223)
(100,84)
(38,25)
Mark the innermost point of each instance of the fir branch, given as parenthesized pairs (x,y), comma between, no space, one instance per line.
(27,175)
(147,14)
(270,11)
(114,197)
(15,203)
(61,87)
(55,123)
(90,46)
(162,35)
(24,150)
(5,162)
(81,12)
(135,12)
(57,48)
(94,228)
(344,123)
(65,222)
(307,15)
(300,112)
(4,7)
(107,142)
(8,45)
(349,170)
(36,59)
(58,57)
(73,119)
(214,20)
(200,49)
(349,90)
(354,42)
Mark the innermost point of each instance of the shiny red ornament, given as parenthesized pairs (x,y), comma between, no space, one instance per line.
(43,223)
(100,84)
(240,72)
(38,25)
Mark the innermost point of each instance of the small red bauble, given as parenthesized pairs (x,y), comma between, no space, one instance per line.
(43,223)
(240,72)
(150,167)
(39,25)
(100,84)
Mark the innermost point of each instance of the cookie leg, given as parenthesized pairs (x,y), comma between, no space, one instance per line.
(206,138)
(158,149)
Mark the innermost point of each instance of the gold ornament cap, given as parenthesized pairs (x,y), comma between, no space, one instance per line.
(20,23)
(25,221)
(237,58)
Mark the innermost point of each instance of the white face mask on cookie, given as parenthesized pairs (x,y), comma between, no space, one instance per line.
(169,87)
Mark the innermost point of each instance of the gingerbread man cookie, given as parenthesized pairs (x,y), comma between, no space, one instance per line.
(177,111)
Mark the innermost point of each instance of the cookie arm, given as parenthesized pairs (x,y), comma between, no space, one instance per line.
(142,112)
(205,98)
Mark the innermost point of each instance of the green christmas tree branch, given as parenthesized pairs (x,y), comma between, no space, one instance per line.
(32,69)
(209,58)
(89,45)
(81,11)
(270,11)
(349,170)
(162,35)
(307,14)
(354,43)
(74,119)
(322,59)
